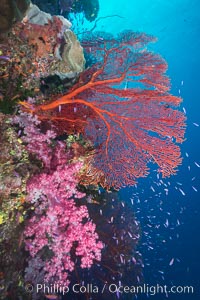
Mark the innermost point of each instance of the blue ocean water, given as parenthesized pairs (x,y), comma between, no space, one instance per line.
(169,213)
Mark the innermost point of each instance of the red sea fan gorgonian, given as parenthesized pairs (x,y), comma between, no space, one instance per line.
(123,106)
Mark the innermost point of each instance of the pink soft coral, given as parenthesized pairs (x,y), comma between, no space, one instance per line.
(58,226)
(37,143)
(58,229)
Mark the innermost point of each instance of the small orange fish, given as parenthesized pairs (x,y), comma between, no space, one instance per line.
(52,297)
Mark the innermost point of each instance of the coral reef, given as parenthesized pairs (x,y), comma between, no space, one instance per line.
(15,169)
(63,130)
(116,115)
(31,52)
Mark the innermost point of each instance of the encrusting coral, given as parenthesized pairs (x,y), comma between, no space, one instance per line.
(15,169)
